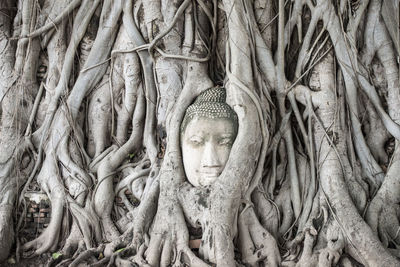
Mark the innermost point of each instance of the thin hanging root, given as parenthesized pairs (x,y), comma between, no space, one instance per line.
(73,168)
(84,223)
(281,88)
(178,14)
(104,192)
(81,23)
(74,4)
(35,107)
(78,32)
(133,32)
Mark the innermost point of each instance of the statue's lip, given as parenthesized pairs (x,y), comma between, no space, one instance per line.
(211,173)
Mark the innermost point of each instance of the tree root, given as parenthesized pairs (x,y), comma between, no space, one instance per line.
(383,219)
(86,255)
(255,243)
(74,241)
(7,230)
(169,240)
(48,240)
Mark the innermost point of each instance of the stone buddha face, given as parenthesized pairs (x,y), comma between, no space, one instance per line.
(207,135)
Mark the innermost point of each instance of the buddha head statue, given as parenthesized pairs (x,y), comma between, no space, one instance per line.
(208,131)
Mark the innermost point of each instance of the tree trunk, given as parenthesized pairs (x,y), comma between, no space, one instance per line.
(94,98)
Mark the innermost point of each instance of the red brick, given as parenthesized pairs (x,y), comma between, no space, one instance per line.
(45,210)
(39,220)
(195,243)
(32,210)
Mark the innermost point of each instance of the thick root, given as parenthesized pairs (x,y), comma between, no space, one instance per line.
(256,244)
(6,231)
(48,240)
(169,241)
(74,243)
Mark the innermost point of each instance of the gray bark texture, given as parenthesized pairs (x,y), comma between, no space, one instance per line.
(93,94)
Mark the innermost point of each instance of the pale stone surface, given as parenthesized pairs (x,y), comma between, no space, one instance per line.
(206,145)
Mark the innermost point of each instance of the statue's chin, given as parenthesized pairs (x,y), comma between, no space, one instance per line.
(206,180)
(201,179)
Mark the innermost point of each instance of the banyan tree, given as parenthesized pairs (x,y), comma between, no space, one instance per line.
(201,132)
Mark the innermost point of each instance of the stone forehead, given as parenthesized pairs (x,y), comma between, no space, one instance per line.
(210,104)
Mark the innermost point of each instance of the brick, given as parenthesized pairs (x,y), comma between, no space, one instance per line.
(32,210)
(45,210)
(39,220)
(194,243)
(127,192)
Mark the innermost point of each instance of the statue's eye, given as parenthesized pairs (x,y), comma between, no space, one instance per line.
(226,141)
(196,140)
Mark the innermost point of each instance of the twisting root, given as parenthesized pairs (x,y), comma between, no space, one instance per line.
(85,255)
(256,244)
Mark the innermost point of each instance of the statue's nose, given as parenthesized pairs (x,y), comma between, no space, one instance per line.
(210,157)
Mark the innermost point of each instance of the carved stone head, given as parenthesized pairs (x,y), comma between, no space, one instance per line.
(208,131)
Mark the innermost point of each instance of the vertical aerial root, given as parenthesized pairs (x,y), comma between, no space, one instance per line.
(74,169)
(6,231)
(267,211)
(87,223)
(285,207)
